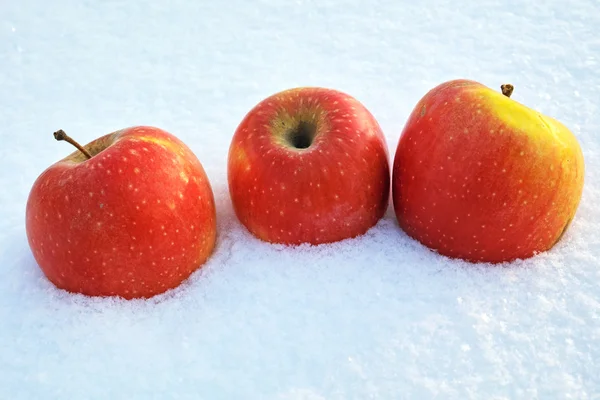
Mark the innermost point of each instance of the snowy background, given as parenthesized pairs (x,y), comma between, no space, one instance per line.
(376,317)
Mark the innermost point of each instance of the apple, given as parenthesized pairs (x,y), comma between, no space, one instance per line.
(130,214)
(308,165)
(481,177)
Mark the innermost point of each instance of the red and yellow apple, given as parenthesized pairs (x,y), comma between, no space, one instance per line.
(308,165)
(134,220)
(482,177)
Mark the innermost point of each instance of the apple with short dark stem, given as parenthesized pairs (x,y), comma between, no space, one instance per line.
(308,165)
(130,214)
(482,177)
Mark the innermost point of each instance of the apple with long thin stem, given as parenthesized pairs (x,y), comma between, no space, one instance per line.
(482,177)
(130,214)
(308,165)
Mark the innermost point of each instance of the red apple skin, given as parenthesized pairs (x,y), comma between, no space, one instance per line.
(133,221)
(335,189)
(481,177)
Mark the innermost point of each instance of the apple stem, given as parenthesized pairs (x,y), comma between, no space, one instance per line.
(507,89)
(61,135)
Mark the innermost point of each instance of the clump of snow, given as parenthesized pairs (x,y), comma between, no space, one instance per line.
(377,316)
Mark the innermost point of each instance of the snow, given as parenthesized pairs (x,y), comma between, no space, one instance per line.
(376,317)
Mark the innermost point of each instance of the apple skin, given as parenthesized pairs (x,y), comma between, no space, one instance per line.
(482,177)
(133,221)
(334,189)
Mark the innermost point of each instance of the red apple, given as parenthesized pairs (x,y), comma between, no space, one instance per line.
(482,177)
(308,165)
(134,220)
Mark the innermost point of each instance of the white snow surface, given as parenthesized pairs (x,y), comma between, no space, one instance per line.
(375,317)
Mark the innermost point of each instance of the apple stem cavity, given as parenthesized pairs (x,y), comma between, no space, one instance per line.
(301,137)
(507,89)
(61,135)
